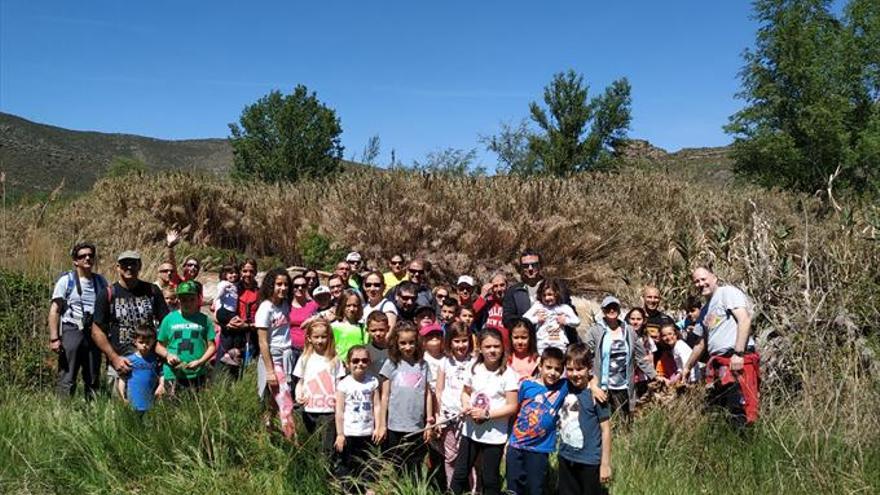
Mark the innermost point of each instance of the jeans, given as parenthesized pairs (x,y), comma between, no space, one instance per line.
(526,471)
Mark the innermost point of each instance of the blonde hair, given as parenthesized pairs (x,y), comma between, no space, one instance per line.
(308,328)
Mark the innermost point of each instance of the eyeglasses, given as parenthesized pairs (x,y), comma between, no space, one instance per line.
(192,264)
(334,287)
(526,266)
(406,298)
(374,285)
(84,256)
(359,361)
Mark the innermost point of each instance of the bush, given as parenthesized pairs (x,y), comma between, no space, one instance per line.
(24,357)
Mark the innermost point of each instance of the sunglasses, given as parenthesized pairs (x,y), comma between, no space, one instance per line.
(377,286)
(442,295)
(396,262)
(311,278)
(530,265)
(167,270)
(465,288)
(84,256)
(359,361)
(192,265)
(299,286)
(406,298)
(417,272)
(129,265)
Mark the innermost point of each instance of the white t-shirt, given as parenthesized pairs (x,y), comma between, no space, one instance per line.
(717,319)
(277,320)
(489,388)
(455,372)
(357,417)
(682,352)
(73,308)
(384,306)
(227,296)
(318,382)
(550,333)
(433,365)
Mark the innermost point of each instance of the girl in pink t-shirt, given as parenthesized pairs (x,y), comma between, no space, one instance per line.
(523,349)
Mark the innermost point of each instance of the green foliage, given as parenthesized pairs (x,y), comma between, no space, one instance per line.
(286,138)
(124,165)
(451,162)
(24,302)
(511,144)
(565,146)
(811,87)
(318,251)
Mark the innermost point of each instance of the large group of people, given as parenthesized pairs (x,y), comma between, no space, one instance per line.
(452,379)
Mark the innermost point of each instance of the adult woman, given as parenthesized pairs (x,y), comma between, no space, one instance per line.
(374,287)
(312,279)
(302,307)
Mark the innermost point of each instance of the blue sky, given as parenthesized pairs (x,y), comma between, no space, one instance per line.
(421,75)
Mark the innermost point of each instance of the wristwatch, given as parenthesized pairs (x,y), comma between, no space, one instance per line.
(738,353)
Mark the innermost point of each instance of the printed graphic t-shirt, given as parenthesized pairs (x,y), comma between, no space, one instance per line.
(579,429)
(186,337)
(142,305)
(406,399)
(534,428)
(488,389)
(358,420)
(318,376)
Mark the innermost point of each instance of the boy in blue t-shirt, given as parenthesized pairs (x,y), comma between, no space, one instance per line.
(585,450)
(533,436)
(139,387)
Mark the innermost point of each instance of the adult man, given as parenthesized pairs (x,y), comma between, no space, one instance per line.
(396,274)
(726,322)
(131,302)
(654,318)
(336,284)
(70,322)
(490,314)
(418,276)
(405,300)
(520,297)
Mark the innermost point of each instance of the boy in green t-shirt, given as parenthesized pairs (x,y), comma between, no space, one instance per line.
(186,342)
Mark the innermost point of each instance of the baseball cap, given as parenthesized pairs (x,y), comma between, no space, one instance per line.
(353,256)
(188,288)
(609,300)
(129,255)
(320,290)
(429,329)
(424,308)
(466,280)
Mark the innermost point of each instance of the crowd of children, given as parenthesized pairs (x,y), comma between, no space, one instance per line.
(447,388)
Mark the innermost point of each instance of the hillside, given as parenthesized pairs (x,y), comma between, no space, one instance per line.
(36,157)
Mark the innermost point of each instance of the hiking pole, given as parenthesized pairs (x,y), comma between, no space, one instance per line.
(439,423)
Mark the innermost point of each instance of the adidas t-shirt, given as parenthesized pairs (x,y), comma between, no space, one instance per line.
(318,376)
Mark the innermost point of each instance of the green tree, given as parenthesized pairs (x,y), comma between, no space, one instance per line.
(121,166)
(566,144)
(811,90)
(511,144)
(450,161)
(286,138)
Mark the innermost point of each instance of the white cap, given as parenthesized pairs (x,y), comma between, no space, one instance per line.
(466,279)
(321,289)
(608,301)
(353,256)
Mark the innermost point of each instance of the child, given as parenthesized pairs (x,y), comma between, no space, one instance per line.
(377,329)
(689,327)
(533,436)
(405,391)
(186,341)
(318,370)
(275,365)
(552,317)
(169,293)
(466,315)
(140,386)
(432,343)
(488,400)
(225,308)
(424,316)
(585,450)
(450,383)
(448,309)
(357,413)
(347,328)
(524,348)
(679,353)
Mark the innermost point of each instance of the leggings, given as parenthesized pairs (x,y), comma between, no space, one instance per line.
(468,450)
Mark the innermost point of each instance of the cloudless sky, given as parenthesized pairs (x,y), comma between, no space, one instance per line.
(421,75)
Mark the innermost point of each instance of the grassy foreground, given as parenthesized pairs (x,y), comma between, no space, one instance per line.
(215,444)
